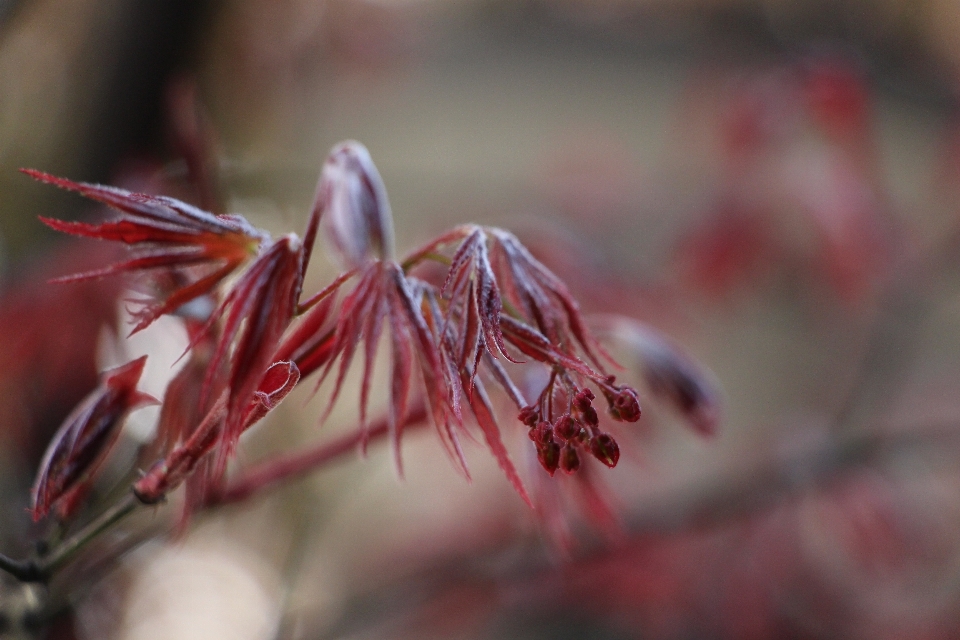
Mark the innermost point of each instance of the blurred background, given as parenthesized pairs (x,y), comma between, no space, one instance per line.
(771,184)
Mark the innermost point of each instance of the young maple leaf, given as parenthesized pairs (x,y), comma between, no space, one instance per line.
(166,234)
(279,380)
(471,287)
(540,298)
(385,296)
(358,227)
(85,439)
(539,318)
(449,334)
(256,311)
(453,351)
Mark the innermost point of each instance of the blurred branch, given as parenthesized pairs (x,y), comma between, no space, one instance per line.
(704,505)
(891,345)
(23,570)
(66,550)
(718,500)
(40,569)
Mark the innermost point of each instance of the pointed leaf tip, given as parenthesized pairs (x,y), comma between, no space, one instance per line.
(41,176)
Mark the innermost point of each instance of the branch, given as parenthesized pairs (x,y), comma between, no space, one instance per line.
(40,569)
(261,478)
(65,551)
(702,506)
(274,471)
(22,570)
(770,482)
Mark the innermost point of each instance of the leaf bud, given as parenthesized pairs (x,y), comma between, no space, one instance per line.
(85,439)
(356,213)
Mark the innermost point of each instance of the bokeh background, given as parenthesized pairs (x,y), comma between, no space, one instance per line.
(771,184)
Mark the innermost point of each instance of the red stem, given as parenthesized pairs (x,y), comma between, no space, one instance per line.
(303,307)
(282,469)
(453,235)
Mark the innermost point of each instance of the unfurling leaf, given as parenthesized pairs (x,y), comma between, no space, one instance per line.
(178,465)
(164,234)
(471,278)
(258,311)
(85,439)
(352,201)
(542,298)
(277,383)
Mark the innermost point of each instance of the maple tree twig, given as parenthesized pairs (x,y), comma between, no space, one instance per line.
(40,569)
(263,477)
(281,469)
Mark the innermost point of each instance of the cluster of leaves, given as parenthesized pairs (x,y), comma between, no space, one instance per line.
(254,339)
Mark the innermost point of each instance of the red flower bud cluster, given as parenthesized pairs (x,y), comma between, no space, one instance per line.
(562,443)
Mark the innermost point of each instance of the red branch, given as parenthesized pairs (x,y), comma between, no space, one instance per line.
(283,469)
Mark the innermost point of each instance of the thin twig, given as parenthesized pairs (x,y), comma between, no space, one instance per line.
(66,550)
(260,478)
(720,500)
(40,569)
(892,339)
(22,570)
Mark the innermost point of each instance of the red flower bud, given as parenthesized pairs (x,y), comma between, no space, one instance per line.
(582,401)
(589,417)
(549,456)
(529,416)
(604,448)
(569,459)
(624,405)
(566,427)
(544,432)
